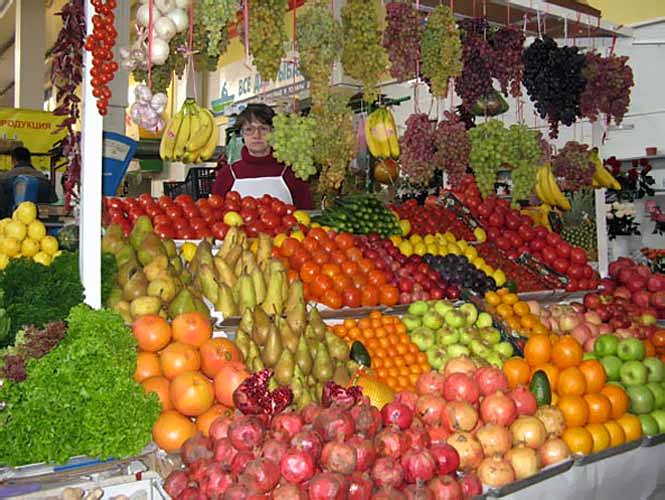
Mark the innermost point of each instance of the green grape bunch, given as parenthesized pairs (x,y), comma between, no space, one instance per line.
(292,140)
(216,16)
(319,45)
(490,149)
(441,50)
(363,55)
(267,35)
(525,156)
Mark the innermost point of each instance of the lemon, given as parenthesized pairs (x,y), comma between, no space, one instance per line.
(26,212)
(499,277)
(471,253)
(479,262)
(454,249)
(405,226)
(302,217)
(480,235)
(396,240)
(279,239)
(443,249)
(36,230)
(29,247)
(420,249)
(379,394)
(415,239)
(429,239)
(42,258)
(233,219)
(188,250)
(298,235)
(433,249)
(49,245)
(4,223)
(487,270)
(16,229)
(10,246)
(462,244)
(450,237)
(406,248)
(4,261)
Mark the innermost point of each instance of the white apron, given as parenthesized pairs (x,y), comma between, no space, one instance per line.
(258,186)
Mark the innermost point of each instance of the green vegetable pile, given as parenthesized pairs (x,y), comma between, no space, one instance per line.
(80,398)
(360,214)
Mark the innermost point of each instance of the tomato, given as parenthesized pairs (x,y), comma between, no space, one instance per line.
(119,219)
(248,215)
(344,241)
(549,255)
(192,393)
(526,232)
(198,223)
(369,296)
(321,284)
(553,239)
(152,332)
(289,221)
(331,270)
(560,265)
(658,338)
(389,295)
(563,249)
(161,218)
(191,211)
(233,196)
(309,271)
(376,278)
(278,207)
(180,223)
(171,430)
(174,212)
(270,220)
(191,328)
(184,200)
(342,282)
(203,203)
(588,272)
(299,257)
(332,298)
(351,297)
(179,358)
(207,212)
(231,206)
(248,203)
(576,271)
(165,201)
(147,366)
(229,377)
(219,230)
(578,256)
(572,286)
(289,208)
(145,199)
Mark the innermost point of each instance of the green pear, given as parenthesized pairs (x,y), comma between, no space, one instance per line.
(284,367)
(272,348)
(163,288)
(323,367)
(303,357)
(142,226)
(225,303)
(261,326)
(289,338)
(144,306)
(136,287)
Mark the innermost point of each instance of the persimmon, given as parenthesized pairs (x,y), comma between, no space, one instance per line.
(171,430)
(152,332)
(192,328)
(179,358)
(147,365)
(192,393)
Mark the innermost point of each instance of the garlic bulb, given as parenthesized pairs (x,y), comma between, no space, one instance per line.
(159,51)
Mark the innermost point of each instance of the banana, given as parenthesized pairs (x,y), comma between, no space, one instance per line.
(202,132)
(372,142)
(208,149)
(602,177)
(542,188)
(391,131)
(183,134)
(377,131)
(553,188)
(170,135)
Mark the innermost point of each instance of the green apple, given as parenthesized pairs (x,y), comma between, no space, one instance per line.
(432,320)
(470,311)
(478,348)
(465,336)
(457,350)
(423,337)
(658,395)
(655,368)
(442,307)
(641,399)
(494,359)
(612,366)
(490,335)
(606,345)
(589,355)
(447,336)
(418,308)
(650,425)
(630,350)
(411,322)
(455,319)
(505,349)
(633,373)
(659,417)
(484,320)
(436,357)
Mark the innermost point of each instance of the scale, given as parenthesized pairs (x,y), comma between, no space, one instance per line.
(118,150)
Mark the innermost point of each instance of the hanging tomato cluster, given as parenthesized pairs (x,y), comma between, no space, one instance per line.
(100,42)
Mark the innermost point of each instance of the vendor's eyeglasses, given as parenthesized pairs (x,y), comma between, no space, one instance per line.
(261,129)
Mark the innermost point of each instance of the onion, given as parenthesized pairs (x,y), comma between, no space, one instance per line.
(160,51)
(528,431)
(496,472)
(124,53)
(554,450)
(165,28)
(525,461)
(180,19)
(143,15)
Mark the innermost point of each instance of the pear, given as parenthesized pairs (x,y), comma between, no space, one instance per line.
(176,265)
(182,303)
(113,239)
(156,267)
(246,322)
(144,306)
(125,254)
(225,303)
(323,367)
(233,257)
(317,323)
(272,348)
(273,303)
(150,248)
(169,246)
(341,376)
(264,251)
(295,296)
(242,342)
(142,226)
(115,296)
(303,358)
(289,338)
(207,283)
(284,367)
(185,276)
(257,365)
(297,386)
(253,351)
(201,306)
(261,326)
(123,309)
(246,293)
(337,347)
(305,399)
(136,287)
(297,318)
(164,288)
(248,262)
(203,255)
(224,272)
(230,241)
(259,285)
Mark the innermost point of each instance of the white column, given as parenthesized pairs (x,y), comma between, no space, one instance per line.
(29,54)
(597,131)
(115,120)
(91,184)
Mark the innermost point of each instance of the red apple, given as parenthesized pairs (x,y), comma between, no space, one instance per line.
(622,292)
(641,298)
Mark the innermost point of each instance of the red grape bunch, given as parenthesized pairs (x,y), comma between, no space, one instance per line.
(574,166)
(475,81)
(401,39)
(417,149)
(506,60)
(453,148)
(609,81)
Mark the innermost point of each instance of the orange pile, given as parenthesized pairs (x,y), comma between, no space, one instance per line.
(515,312)
(594,411)
(395,359)
(334,271)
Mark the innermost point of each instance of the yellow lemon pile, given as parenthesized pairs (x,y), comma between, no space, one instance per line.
(25,236)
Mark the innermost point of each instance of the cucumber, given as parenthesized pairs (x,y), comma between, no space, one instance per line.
(360,355)
(540,387)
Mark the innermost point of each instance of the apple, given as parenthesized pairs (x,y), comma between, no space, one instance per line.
(630,350)
(423,337)
(470,311)
(494,359)
(656,283)
(490,336)
(432,320)
(612,366)
(606,345)
(659,417)
(436,357)
(465,336)
(589,355)
(658,392)
(593,317)
(655,368)
(641,399)
(457,350)
(504,349)
(447,336)
(442,307)
(650,426)
(477,348)
(418,308)
(411,322)
(484,320)
(633,373)
(591,301)
(454,319)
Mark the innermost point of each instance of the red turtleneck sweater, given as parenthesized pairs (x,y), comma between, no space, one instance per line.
(250,167)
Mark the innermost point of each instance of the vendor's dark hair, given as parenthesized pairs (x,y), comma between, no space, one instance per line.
(257,112)
(21,155)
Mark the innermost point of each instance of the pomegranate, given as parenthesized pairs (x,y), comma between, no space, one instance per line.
(398,414)
(191,494)
(417,438)
(471,485)
(495,439)
(438,435)
(328,486)
(430,382)
(460,416)
(286,425)
(528,431)
(225,451)
(387,472)
(525,401)
(460,364)
(274,450)
(525,461)
(389,494)
(498,409)
(288,491)
(176,483)
(446,457)
(261,475)
(389,443)
(310,412)
(197,471)
(365,452)
(552,419)
(235,492)
(216,481)
(297,466)
(240,461)
(490,379)
(198,446)
(360,487)
(332,424)
(445,488)
(338,457)
(429,409)
(552,451)
(246,432)
(496,472)
(469,450)
(219,428)
(308,441)
(418,492)
(419,465)
(367,419)
(461,387)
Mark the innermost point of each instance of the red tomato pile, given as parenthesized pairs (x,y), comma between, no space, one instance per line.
(432,218)
(334,271)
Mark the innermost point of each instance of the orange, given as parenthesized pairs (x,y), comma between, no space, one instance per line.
(578,439)
(600,408)
(537,350)
(600,436)
(510,299)
(539,329)
(492,298)
(502,292)
(171,430)
(631,426)
(147,366)
(617,435)
(567,352)
(529,321)
(160,386)
(516,371)
(618,400)
(552,373)
(571,382)
(192,328)
(152,332)
(649,348)
(594,373)
(575,410)
(514,323)
(522,308)
(504,310)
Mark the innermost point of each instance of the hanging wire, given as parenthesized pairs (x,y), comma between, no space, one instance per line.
(294,46)
(150,19)
(245,26)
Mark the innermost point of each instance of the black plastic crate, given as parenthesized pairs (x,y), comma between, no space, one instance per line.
(197,184)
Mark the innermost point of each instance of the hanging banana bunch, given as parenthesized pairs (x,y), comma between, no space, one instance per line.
(381,134)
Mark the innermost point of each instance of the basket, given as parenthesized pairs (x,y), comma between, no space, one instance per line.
(197,184)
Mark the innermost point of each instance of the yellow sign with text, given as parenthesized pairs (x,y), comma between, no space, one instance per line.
(32,129)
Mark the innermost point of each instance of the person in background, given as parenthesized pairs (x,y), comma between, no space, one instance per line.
(21,165)
(257,172)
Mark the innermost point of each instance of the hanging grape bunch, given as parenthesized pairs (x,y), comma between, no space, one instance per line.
(525,156)
(506,61)
(452,148)
(363,56)
(335,140)
(609,81)
(216,16)
(267,35)
(401,39)
(292,141)
(441,50)
(490,149)
(554,81)
(574,166)
(319,45)
(475,82)
(417,149)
